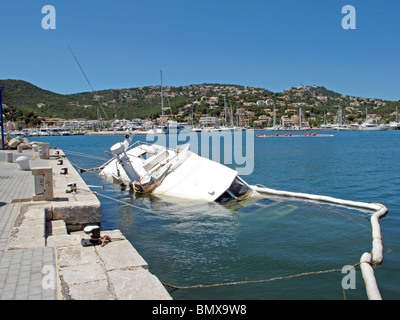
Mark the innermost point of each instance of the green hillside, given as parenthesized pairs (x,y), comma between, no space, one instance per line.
(28,102)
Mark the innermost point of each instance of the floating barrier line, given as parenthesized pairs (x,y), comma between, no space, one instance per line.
(294,136)
(376,255)
(369,277)
(380,211)
(137,207)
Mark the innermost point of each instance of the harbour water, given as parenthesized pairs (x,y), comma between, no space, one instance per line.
(269,237)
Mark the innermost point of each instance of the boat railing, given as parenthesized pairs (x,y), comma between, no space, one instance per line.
(135,144)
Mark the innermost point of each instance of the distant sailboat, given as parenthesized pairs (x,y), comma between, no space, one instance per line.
(274,126)
(163,128)
(326,126)
(340,126)
(395,125)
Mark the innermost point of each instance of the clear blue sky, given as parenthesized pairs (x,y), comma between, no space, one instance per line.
(268,44)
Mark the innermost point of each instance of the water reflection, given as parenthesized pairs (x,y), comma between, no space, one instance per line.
(254,239)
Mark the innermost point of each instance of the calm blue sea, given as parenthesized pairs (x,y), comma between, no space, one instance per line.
(267,238)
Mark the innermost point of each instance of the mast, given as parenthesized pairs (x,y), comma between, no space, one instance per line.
(225,109)
(99,125)
(274,123)
(340,116)
(1,120)
(162,102)
(299,117)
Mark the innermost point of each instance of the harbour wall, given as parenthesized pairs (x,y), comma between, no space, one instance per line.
(113,270)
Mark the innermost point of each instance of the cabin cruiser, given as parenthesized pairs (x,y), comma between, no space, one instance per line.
(394,125)
(169,127)
(370,125)
(274,128)
(325,126)
(344,127)
(179,172)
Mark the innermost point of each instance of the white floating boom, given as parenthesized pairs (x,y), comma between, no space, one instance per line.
(376,256)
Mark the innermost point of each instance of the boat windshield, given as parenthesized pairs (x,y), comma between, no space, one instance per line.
(238,190)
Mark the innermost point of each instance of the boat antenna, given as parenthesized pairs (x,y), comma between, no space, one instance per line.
(84,74)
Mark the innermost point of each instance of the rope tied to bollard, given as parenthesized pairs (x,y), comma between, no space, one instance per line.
(96,238)
(103,240)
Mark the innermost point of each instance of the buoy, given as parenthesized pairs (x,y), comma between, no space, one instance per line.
(290,134)
(314,134)
(258,135)
(285,134)
(264,135)
(277,134)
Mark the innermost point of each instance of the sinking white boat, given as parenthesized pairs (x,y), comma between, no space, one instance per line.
(179,172)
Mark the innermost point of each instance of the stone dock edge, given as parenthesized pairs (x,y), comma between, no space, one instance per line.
(115,271)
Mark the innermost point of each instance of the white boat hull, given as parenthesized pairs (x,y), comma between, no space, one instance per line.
(180,173)
(373,128)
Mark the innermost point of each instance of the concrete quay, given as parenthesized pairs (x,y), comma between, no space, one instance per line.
(41,254)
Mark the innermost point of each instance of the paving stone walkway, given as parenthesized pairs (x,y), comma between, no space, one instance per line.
(22,272)
(41,254)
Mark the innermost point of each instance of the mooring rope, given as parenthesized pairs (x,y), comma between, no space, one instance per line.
(82,170)
(255,281)
(137,207)
(76,153)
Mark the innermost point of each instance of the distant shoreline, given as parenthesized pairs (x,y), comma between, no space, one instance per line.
(104,133)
